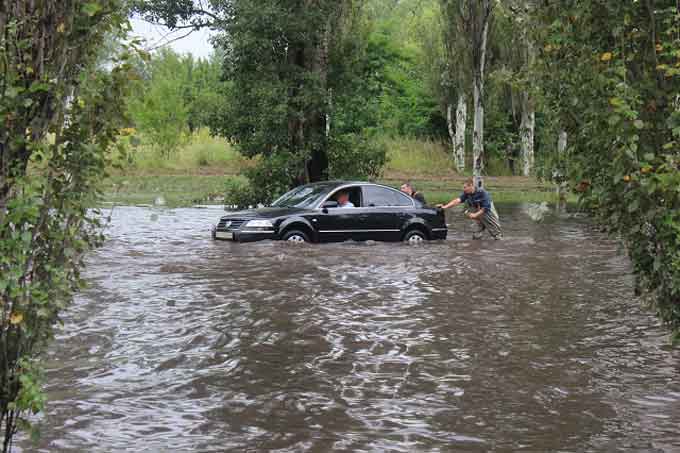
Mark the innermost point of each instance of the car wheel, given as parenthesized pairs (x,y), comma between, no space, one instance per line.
(295,236)
(415,236)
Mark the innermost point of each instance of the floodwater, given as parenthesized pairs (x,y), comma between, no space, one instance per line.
(534,343)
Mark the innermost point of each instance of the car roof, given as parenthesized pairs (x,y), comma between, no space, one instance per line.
(340,183)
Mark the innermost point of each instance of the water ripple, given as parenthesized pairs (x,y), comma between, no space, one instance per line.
(533,343)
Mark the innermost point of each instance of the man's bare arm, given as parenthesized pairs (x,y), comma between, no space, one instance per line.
(477,215)
(455,202)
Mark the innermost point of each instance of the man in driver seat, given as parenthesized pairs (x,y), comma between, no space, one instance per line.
(343,200)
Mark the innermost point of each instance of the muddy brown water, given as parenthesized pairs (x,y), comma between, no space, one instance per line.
(534,343)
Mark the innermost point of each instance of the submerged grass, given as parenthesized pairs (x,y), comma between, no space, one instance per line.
(174,190)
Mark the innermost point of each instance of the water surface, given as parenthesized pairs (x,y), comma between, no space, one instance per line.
(534,343)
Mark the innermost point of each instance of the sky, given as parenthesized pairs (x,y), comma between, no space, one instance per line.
(196,43)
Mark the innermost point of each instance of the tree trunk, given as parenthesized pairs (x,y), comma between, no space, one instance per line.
(457,131)
(478,132)
(528,123)
(329,107)
(317,165)
(478,93)
(480,27)
(561,184)
(452,132)
(527,128)
(461,122)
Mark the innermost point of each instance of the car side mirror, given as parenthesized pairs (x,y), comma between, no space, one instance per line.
(329,204)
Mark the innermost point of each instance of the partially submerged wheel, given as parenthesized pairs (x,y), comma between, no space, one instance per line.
(295,236)
(415,236)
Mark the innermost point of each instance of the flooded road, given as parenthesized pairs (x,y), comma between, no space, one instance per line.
(534,343)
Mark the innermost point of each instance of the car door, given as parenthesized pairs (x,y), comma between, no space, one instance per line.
(340,224)
(385,211)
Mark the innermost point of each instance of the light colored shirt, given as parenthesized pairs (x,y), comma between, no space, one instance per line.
(349,204)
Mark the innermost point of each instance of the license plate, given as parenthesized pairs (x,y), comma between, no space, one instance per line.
(224,235)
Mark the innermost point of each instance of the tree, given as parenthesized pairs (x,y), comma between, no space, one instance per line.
(611,79)
(475,17)
(521,14)
(159,106)
(456,77)
(515,31)
(284,66)
(277,57)
(60,113)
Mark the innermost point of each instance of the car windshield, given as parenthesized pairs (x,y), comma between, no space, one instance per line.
(302,197)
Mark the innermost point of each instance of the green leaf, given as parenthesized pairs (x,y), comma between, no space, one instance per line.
(639,124)
(12,91)
(39,86)
(616,102)
(649,156)
(91,9)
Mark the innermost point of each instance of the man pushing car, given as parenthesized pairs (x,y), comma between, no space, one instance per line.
(480,209)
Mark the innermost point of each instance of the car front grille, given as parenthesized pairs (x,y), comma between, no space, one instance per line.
(230,224)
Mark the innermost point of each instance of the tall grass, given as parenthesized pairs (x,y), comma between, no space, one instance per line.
(203,154)
(411,158)
(199,170)
(422,158)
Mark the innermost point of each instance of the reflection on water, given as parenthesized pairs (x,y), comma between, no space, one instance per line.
(533,343)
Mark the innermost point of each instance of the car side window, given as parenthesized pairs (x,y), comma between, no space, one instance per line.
(354,195)
(381,196)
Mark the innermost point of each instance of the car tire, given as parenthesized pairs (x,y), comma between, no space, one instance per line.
(415,236)
(295,236)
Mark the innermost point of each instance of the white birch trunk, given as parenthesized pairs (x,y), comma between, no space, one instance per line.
(457,132)
(478,134)
(478,95)
(452,132)
(562,142)
(561,184)
(329,107)
(459,142)
(527,130)
(528,123)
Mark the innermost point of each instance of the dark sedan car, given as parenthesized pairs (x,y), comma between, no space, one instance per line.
(310,213)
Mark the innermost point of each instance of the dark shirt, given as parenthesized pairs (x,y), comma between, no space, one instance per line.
(477,200)
(419,196)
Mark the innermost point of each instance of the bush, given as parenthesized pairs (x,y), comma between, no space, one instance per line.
(239,193)
(354,156)
(265,182)
(203,157)
(53,86)
(273,176)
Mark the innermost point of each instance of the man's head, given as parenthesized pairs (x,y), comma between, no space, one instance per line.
(407,188)
(342,197)
(469,186)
